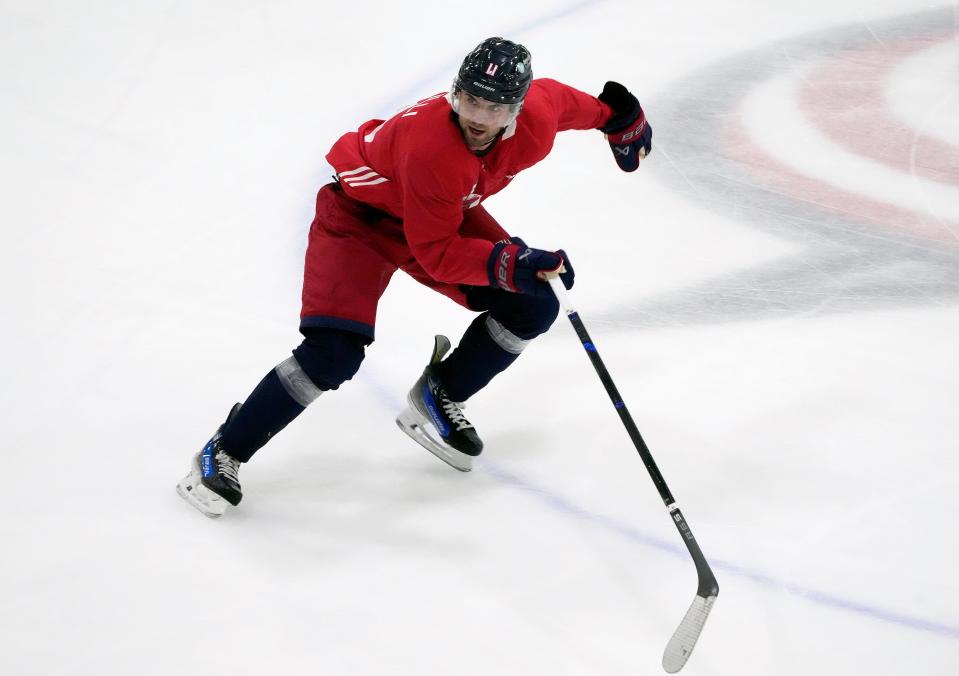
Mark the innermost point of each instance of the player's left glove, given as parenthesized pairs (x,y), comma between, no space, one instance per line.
(630,136)
(513,266)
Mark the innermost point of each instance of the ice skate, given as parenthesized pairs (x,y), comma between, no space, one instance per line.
(437,423)
(212,483)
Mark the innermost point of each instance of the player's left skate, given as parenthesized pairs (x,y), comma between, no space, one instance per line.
(212,483)
(436,422)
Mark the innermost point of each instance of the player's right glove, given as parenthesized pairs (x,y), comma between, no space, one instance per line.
(513,266)
(630,136)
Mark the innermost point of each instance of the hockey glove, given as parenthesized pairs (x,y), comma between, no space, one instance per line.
(515,267)
(630,136)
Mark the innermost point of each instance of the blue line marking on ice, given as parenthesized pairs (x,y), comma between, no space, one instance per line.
(561,504)
(569,508)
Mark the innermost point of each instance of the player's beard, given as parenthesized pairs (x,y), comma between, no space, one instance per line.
(477,137)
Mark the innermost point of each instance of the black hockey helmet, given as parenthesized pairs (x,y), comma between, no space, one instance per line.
(496,70)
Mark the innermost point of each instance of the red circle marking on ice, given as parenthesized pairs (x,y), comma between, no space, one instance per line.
(844,98)
(783,180)
(837,102)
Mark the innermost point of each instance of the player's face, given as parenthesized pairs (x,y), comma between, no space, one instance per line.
(481,120)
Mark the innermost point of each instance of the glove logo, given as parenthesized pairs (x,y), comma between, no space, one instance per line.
(502,272)
(624,151)
(638,131)
(526,254)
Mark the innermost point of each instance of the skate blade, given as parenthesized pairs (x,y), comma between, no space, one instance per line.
(191,489)
(414,427)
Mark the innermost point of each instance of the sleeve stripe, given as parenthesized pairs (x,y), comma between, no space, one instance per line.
(353,171)
(362,177)
(381,179)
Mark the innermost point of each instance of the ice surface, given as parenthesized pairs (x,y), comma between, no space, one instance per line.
(775,293)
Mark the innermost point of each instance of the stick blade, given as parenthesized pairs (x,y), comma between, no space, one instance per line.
(681,645)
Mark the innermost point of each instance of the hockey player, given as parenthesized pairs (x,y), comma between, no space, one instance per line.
(409,195)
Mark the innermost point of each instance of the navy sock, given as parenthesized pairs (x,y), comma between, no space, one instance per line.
(474,362)
(265,412)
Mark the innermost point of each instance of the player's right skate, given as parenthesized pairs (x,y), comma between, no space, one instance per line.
(212,483)
(436,422)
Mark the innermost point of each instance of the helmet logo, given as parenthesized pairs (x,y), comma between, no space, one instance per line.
(492,68)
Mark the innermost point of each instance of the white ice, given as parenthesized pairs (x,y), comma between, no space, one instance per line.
(794,368)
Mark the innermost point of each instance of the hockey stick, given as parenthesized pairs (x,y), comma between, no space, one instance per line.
(681,645)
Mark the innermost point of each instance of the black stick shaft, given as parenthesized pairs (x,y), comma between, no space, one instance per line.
(621,409)
(707,581)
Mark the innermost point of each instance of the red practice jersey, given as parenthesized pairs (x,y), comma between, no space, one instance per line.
(417,167)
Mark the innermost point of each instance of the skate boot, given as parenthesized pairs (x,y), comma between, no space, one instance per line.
(212,483)
(437,423)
